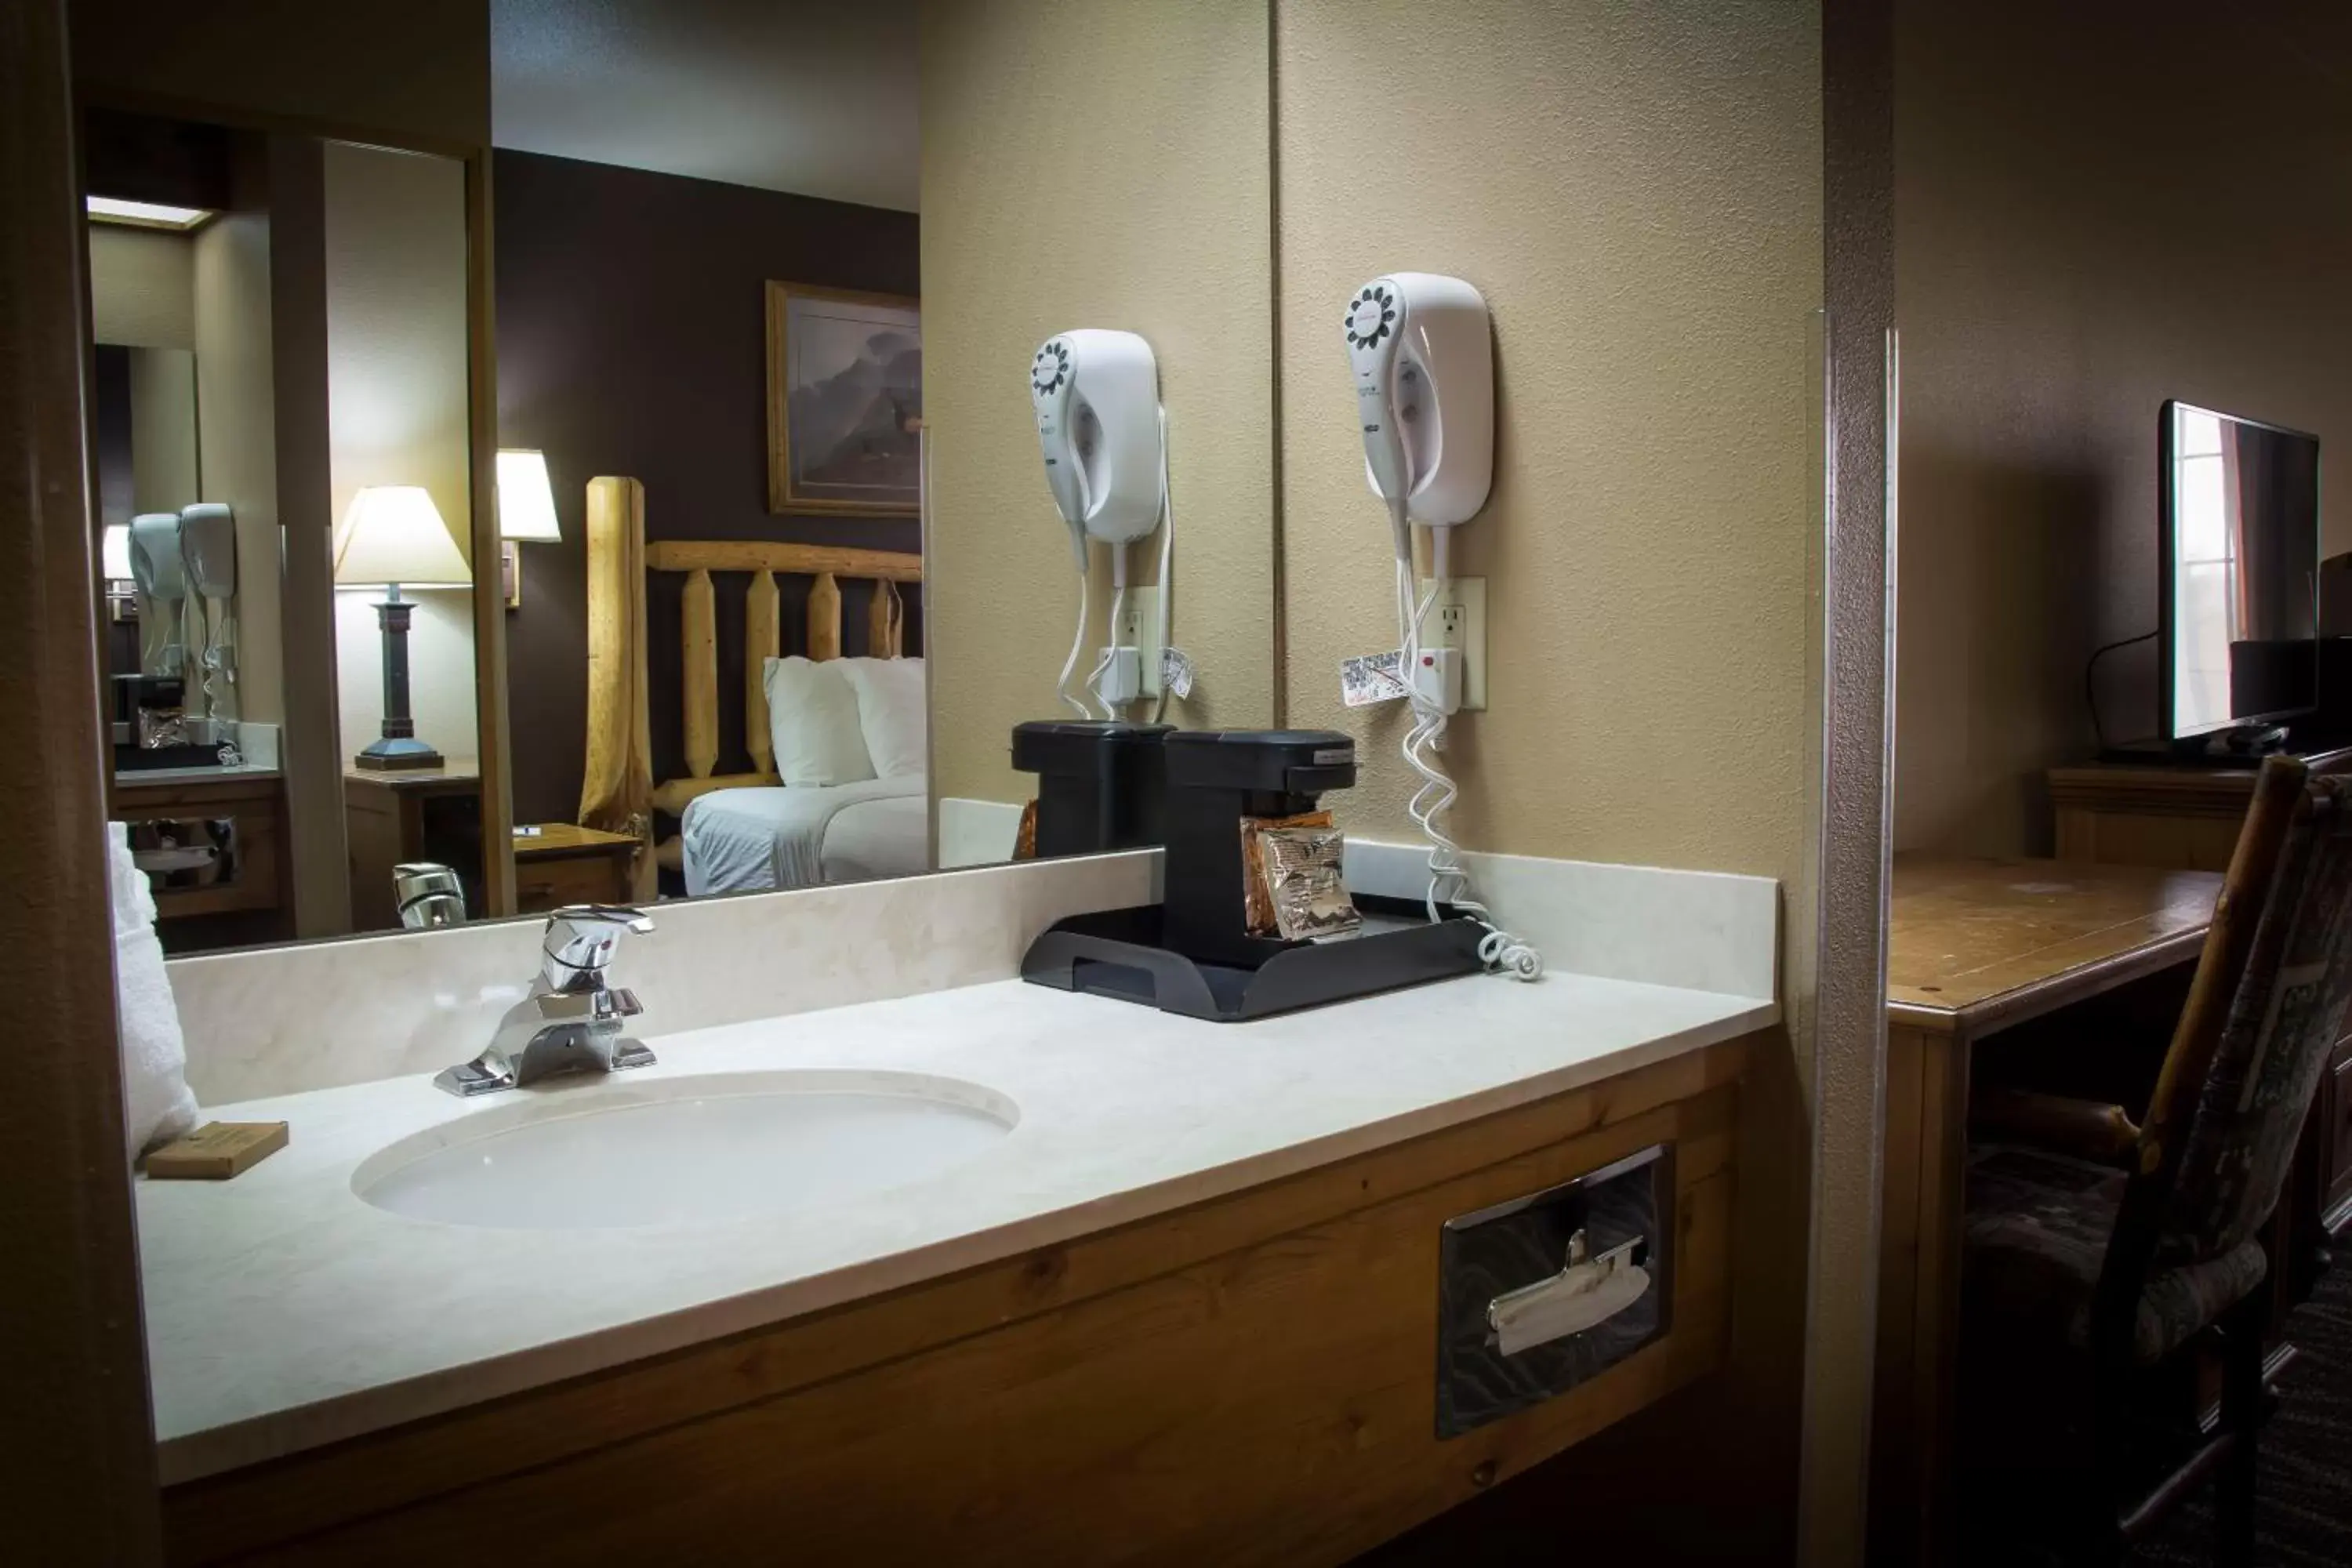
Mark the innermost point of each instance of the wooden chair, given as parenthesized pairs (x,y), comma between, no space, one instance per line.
(2108,1262)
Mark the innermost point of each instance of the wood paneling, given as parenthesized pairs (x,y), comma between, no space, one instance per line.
(1259,1365)
(75,1442)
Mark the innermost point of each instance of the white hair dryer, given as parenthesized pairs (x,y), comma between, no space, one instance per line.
(1096,395)
(1424,362)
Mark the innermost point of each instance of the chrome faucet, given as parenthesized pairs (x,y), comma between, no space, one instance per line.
(571,1022)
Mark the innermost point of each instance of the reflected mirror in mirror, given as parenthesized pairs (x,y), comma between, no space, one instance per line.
(281,331)
(798,524)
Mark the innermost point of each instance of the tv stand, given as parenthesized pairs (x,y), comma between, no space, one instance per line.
(2162,810)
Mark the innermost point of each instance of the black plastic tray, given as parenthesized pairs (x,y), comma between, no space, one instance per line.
(1116,952)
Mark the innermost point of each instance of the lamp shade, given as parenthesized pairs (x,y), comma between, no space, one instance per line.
(394,533)
(526,500)
(114,552)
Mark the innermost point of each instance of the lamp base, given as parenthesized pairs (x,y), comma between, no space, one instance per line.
(392,753)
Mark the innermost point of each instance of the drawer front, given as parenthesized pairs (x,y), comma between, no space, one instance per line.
(571,880)
(1534,1266)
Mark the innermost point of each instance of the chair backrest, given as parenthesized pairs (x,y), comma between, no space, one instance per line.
(2267,1003)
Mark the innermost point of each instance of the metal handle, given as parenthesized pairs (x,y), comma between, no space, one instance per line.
(1585,1294)
(427,895)
(581,940)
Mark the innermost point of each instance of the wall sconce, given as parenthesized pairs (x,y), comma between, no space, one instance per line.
(526,513)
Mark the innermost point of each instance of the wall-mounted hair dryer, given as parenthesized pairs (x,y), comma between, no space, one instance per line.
(1421,353)
(1419,346)
(1096,395)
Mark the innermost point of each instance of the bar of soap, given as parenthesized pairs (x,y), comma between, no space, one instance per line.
(217,1151)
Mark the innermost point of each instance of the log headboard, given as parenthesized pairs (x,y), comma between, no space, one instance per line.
(618,792)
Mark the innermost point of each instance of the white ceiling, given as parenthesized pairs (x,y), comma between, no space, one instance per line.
(811,96)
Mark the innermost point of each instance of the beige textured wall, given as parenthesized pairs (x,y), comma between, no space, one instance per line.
(1091,163)
(164,476)
(1636,191)
(395,253)
(236,430)
(2097,208)
(142,286)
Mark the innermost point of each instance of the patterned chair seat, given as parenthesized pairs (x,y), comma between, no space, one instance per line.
(2037,1233)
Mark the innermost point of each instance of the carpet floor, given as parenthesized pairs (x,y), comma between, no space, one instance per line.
(2303,1498)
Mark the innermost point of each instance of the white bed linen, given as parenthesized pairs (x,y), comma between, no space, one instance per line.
(754,840)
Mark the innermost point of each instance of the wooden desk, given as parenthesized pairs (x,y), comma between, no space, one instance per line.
(411,814)
(1975,947)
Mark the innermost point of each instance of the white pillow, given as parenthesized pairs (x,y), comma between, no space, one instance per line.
(890,712)
(813,723)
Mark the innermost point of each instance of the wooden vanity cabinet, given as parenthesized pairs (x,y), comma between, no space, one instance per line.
(1251,1379)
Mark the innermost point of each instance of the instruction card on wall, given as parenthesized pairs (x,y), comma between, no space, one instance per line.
(1370,678)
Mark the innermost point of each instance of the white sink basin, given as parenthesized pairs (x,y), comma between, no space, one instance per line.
(608,1153)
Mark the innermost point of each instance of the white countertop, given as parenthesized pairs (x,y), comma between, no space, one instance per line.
(284,1312)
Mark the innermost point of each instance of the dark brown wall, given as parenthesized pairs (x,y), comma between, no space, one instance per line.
(631,339)
(416,69)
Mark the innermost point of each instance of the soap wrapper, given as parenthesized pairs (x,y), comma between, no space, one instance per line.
(1305,884)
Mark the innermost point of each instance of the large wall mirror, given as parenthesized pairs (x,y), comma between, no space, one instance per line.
(770,281)
(280,429)
(772,559)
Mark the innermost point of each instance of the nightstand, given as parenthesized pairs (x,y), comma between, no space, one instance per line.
(566,864)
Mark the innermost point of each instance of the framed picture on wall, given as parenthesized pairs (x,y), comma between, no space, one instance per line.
(845,401)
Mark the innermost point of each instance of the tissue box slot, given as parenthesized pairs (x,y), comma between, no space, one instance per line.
(1508,1247)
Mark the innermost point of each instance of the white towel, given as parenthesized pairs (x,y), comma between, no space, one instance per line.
(157,1104)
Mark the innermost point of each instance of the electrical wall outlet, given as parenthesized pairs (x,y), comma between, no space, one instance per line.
(1139,629)
(1118,684)
(1458,621)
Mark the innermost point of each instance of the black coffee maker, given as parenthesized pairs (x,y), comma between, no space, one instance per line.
(1100,783)
(1216,778)
(1192,953)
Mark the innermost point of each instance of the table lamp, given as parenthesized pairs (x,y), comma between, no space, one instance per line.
(392,535)
(526,513)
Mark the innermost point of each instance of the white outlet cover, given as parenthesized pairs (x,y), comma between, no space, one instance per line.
(1458,621)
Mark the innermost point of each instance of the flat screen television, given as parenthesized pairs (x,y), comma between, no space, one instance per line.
(2238,634)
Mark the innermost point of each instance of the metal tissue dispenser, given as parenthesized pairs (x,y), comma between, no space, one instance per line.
(1193,954)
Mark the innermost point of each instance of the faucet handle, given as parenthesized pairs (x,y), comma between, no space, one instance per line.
(581,940)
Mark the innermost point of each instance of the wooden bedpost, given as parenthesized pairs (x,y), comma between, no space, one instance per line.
(617,784)
(762,640)
(699,615)
(825,617)
(885,621)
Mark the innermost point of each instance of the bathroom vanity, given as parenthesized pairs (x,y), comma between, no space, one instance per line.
(1191,1295)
